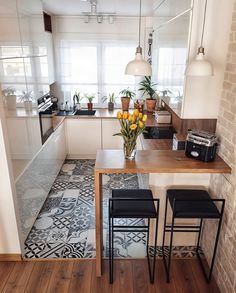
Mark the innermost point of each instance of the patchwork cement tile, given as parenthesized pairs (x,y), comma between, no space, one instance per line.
(51,203)
(43,223)
(71,193)
(73,250)
(52,250)
(57,235)
(33,249)
(62,222)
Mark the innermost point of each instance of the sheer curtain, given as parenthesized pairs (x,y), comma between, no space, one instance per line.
(94,67)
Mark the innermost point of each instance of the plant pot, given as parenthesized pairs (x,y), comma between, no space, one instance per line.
(11,102)
(110,106)
(78,106)
(28,105)
(90,106)
(139,105)
(125,103)
(151,105)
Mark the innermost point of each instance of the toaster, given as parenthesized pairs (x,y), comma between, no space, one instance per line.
(201,145)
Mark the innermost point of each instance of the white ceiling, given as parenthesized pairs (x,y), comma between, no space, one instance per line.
(120,7)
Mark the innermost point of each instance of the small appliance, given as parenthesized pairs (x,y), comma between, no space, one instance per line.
(163,117)
(45,109)
(201,145)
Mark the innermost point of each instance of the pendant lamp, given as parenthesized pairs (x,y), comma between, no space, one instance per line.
(139,66)
(200,66)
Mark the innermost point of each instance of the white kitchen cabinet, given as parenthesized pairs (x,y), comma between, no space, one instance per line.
(10,41)
(83,137)
(19,138)
(176,39)
(110,127)
(33,186)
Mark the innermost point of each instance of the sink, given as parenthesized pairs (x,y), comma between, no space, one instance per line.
(85,112)
(156,132)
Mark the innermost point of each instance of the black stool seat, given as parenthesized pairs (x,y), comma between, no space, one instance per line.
(132,208)
(192,204)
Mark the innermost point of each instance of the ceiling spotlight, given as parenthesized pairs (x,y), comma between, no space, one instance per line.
(99,18)
(86,19)
(110,19)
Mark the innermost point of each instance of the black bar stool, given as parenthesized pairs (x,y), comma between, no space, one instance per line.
(132,203)
(195,204)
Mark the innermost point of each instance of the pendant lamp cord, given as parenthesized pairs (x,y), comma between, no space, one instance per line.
(204,20)
(140,4)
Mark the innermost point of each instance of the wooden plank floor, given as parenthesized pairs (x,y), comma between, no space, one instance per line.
(78,276)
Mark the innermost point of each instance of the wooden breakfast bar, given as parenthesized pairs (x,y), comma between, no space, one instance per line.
(150,161)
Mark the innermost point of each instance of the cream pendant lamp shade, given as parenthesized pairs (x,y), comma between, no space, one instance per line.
(139,66)
(200,66)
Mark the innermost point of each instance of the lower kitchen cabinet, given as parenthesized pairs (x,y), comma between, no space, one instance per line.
(110,127)
(84,136)
(34,184)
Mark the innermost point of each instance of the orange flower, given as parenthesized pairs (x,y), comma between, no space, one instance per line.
(136,113)
(119,115)
(144,118)
(133,126)
(130,118)
(125,115)
(140,116)
(140,124)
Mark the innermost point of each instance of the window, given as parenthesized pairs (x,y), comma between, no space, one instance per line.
(95,68)
(171,66)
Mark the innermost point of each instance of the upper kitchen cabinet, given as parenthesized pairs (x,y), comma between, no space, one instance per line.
(31,25)
(177,35)
(10,41)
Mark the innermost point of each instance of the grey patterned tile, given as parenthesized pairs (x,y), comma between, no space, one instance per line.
(73,250)
(52,250)
(57,235)
(33,249)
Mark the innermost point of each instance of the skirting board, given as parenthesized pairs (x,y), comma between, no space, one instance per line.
(10,257)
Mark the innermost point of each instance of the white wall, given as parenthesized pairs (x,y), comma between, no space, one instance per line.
(202,94)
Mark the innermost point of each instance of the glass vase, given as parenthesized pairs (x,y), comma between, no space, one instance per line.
(129,150)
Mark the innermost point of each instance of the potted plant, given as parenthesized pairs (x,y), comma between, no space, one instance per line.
(90,99)
(132,125)
(77,98)
(26,97)
(10,98)
(111,98)
(126,96)
(148,88)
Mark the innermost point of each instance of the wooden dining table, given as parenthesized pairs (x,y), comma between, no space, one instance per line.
(146,161)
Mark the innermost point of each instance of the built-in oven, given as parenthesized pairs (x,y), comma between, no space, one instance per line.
(45,117)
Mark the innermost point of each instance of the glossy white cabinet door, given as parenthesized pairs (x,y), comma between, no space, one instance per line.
(83,136)
(10,42)
(33,186)
(19,138)
(110,127)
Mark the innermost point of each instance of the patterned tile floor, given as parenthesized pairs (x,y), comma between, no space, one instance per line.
(65,227)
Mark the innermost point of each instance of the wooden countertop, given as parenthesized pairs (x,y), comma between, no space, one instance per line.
(156,161)
(155,144)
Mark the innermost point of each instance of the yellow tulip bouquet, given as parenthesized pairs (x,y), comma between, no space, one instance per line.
(132,125)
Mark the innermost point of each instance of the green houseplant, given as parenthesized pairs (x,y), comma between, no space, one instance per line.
(77,98)
(10,97)
(111,99)
(147,87)
(90,99)
(126,96)
(27,98)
